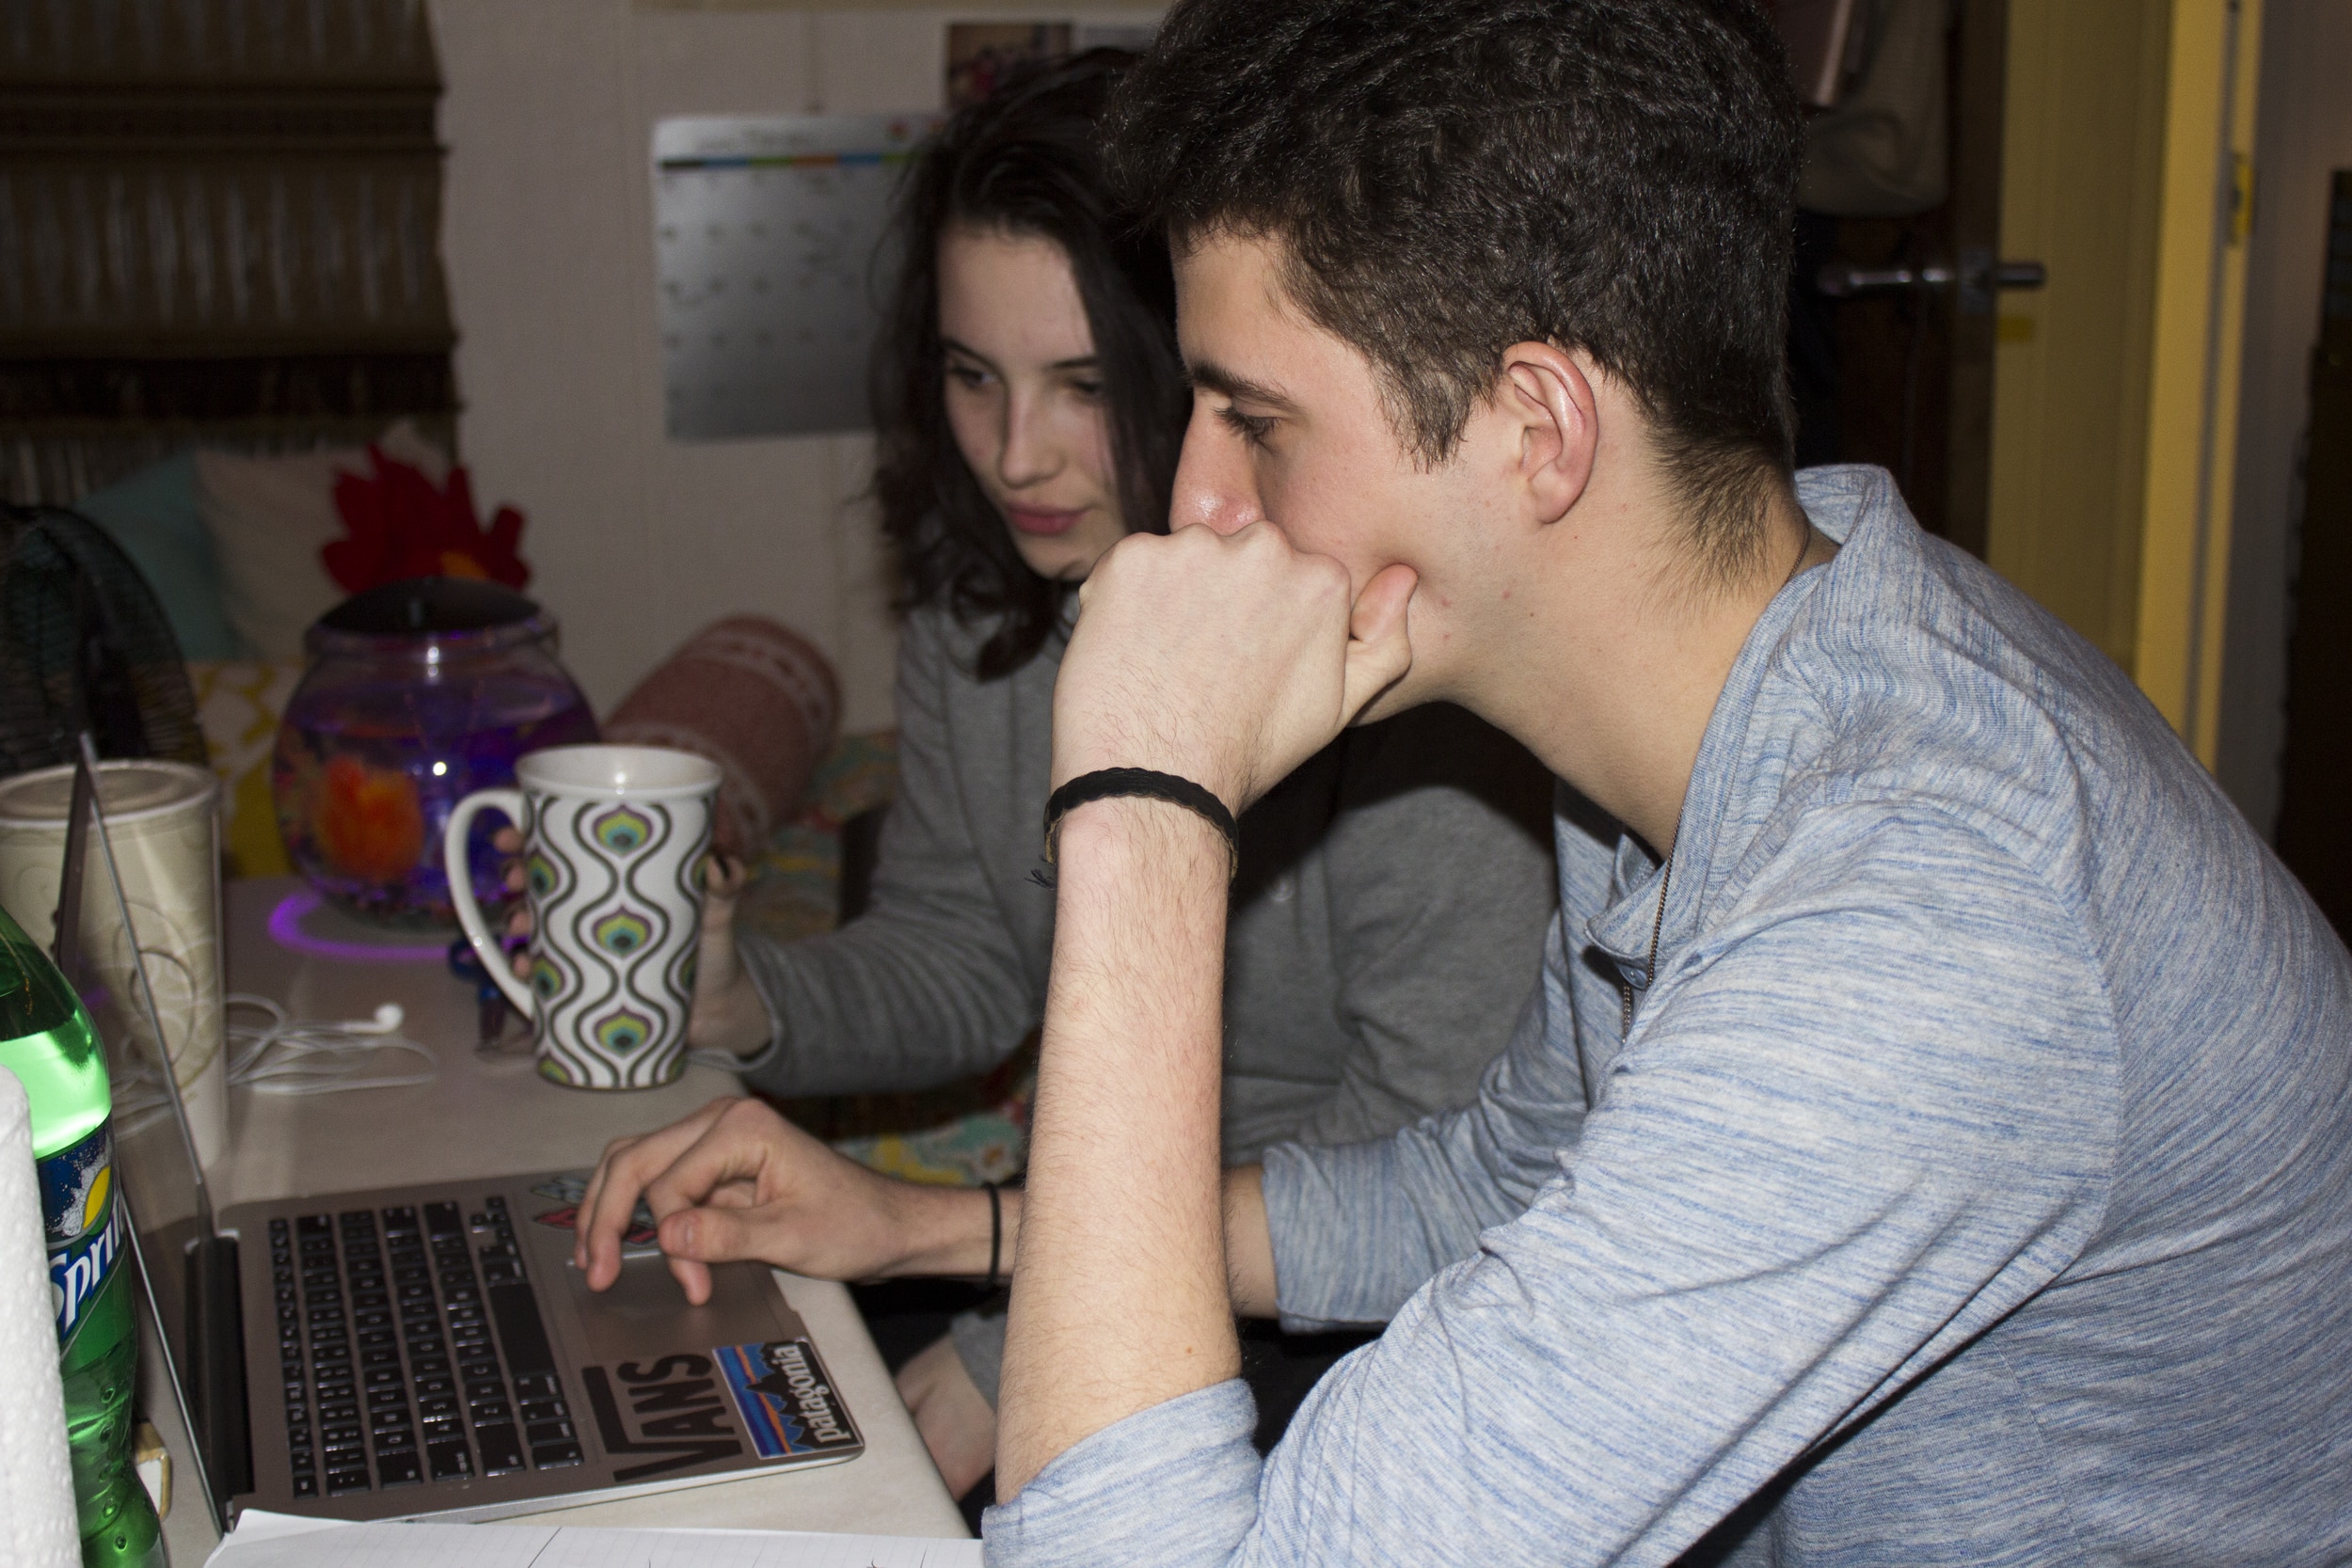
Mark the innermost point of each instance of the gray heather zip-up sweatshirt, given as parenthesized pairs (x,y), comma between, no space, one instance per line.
(1973,1188)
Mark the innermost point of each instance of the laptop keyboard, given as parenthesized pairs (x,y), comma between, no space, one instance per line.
(394,1373)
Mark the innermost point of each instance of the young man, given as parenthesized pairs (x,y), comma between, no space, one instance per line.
(1932,1140)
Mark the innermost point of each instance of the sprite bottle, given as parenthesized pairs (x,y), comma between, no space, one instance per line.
(47,1041)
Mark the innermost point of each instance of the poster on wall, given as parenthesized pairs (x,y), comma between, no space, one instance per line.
(769,267)
(982,53)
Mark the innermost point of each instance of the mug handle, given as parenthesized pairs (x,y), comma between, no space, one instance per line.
(460,870)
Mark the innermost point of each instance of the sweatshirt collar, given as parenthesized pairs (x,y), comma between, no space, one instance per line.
(1854,506)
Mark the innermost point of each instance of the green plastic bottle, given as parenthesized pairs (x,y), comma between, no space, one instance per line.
(47,1041)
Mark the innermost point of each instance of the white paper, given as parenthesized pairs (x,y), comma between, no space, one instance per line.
(278,1541)
(36,1519)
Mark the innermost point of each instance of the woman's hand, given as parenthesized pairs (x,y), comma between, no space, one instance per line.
(727,1014)
(736,1180)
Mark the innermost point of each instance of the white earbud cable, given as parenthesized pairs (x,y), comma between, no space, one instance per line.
(318,1057)
(289,1056)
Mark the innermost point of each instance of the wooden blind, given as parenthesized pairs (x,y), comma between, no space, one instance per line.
(219,223)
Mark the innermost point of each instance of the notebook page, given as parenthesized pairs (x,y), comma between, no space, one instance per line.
(433,1546)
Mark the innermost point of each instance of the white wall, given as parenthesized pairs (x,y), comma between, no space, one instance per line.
(2304,130)
(636,541)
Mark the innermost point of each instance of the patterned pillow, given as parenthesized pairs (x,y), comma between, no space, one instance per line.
(269,518)
(238,703)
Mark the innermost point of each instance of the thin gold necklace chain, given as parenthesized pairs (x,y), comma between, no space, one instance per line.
(1665,880)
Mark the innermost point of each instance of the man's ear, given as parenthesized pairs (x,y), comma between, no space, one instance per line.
(1546,393)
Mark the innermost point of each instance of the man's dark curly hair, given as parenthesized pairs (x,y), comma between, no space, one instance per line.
(1028,162)
(1447,177)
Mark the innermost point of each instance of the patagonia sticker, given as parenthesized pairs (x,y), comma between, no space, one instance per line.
(788,1403)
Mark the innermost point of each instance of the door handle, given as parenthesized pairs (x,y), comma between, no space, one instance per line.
(1979,277)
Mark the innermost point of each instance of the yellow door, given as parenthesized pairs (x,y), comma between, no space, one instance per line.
(2128,126)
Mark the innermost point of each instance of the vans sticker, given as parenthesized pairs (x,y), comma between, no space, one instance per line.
(674,1412)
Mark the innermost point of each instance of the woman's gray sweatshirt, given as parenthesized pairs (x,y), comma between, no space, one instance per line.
(1387,924)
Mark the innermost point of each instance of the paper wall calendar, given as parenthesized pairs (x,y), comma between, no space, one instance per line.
(772,276)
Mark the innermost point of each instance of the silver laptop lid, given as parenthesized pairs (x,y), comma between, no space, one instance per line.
(186,1271)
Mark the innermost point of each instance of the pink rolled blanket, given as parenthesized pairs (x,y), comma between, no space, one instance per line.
(755,697)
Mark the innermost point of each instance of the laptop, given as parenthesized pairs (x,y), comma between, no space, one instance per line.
(429,1350)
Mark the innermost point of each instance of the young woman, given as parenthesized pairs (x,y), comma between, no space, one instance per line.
(1032,406)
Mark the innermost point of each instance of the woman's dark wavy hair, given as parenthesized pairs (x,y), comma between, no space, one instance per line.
(1027,161)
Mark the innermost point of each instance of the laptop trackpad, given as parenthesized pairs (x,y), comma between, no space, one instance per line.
(647,1308)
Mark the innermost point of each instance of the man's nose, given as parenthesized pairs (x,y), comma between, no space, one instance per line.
(1214,485)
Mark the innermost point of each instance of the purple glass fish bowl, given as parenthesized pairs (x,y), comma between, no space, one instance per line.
(417,693)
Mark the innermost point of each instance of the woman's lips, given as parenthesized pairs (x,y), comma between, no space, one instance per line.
(1044,522)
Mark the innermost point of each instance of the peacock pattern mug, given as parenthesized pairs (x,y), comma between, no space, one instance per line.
(615,838)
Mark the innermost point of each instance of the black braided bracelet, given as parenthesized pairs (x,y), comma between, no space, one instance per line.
(996,1232)
(1108,784)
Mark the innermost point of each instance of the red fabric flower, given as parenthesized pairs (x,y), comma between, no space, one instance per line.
(402,525)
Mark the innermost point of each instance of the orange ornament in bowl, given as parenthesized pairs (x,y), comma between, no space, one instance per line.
(367,820)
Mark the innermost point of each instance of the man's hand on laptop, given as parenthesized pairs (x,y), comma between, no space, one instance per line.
(1225,658)
(736,1180)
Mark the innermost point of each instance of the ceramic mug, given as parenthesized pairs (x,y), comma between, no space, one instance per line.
(615,838)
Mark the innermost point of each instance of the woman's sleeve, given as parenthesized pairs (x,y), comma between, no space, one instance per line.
(1440,869)
(927,986)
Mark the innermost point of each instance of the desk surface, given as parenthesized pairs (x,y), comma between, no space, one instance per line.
(494,1116)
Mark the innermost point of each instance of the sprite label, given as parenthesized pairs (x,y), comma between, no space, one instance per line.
(84,1224)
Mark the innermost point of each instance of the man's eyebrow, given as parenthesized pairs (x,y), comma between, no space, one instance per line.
(1226,383)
